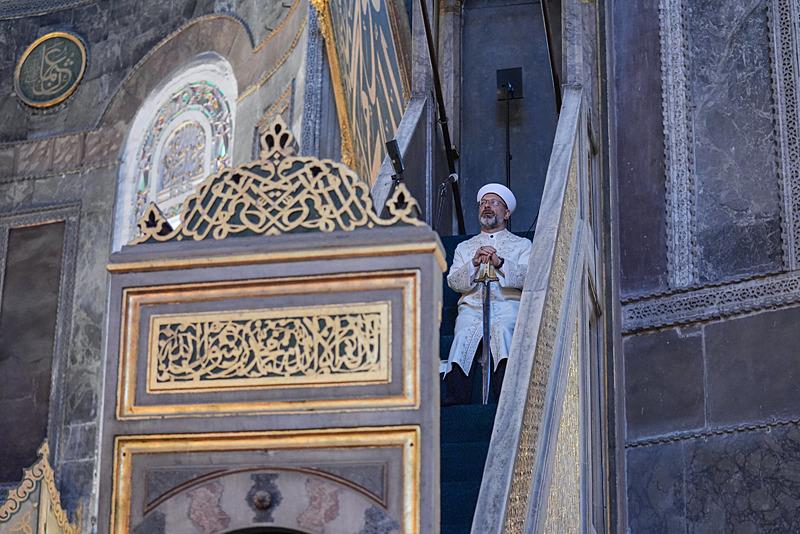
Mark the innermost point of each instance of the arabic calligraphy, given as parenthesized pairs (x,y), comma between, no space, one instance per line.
(289,346)
(50,69)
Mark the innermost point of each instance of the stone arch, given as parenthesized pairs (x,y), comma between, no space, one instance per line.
(182,132)
(267,499)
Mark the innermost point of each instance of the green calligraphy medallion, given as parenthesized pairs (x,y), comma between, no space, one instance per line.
(50,69)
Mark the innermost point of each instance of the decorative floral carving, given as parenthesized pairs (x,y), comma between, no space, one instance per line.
(711,302)
(678,149)
(785,51)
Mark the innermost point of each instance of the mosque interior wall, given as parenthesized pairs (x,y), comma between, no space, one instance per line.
(707,299)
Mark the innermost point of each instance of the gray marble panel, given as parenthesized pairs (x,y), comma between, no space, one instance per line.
(75,483)
(656,489)
(27,338)
(752,367)
(80,441)
(664,389)
(744,483)
(639,140)
(738,206)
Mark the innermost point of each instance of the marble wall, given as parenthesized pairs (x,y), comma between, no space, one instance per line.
(738,209)
(707,359)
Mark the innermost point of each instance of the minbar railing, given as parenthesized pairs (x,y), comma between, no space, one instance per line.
(536,475)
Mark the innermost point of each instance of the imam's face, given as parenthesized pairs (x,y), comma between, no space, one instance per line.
(492,211)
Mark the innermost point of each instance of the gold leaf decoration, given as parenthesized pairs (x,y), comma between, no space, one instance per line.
(39,473)
(278,194)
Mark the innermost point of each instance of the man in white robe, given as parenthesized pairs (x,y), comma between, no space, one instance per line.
(509,255)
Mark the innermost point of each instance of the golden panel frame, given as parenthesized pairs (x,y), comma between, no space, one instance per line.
(134,298)
(378,368)
(263,258)
(406,438)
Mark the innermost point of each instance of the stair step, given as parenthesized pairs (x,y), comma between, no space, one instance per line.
(476,415)
(458,505)
(456,528)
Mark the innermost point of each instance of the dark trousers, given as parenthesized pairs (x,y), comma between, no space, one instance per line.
(458,387)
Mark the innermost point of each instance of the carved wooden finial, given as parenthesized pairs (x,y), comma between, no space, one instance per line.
(152,224)
(277,140)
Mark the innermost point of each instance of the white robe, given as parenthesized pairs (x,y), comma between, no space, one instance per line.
(505,296)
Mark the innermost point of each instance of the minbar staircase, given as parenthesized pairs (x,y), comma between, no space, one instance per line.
(465,430)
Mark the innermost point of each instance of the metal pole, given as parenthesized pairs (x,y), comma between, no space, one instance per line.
(508,141)
(448,146)
(551,54)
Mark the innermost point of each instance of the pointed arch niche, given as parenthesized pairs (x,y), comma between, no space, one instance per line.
(182,133)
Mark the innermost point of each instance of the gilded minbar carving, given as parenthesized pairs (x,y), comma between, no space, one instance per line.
(279,339)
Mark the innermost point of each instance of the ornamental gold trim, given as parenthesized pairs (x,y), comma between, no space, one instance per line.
(263,258)
(278,194)
(134,299)
(29,50)
(406,438)
(326,26)
(279,347)
(39,474)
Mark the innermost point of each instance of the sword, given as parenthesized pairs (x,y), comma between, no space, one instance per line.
(486,275)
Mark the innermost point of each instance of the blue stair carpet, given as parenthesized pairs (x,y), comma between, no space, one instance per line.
(465,430)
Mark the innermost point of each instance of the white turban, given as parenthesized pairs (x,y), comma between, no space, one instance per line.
(501,191)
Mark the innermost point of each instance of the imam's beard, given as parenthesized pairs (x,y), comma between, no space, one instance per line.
(488,221)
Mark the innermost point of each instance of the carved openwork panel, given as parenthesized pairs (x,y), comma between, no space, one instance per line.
(281,193)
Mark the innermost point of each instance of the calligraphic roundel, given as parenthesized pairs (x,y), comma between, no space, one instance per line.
(50,69)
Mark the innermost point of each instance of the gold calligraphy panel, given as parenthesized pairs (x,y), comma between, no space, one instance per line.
(50,69)
(270,355)
(370,74)
(284,346)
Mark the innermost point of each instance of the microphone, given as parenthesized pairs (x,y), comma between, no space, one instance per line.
(393,149)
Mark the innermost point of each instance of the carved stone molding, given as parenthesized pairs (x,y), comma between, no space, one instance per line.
(678,150)
(785,71)
(711,302)
(721,431)
(10,9)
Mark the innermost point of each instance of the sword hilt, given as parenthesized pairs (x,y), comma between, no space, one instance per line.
(486,273)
